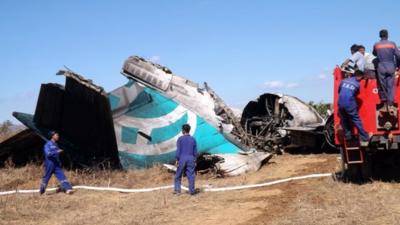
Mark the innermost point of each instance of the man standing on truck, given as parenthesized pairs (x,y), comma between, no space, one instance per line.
(348,109)
(387,54)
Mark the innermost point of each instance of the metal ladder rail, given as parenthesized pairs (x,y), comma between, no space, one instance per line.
(353,148)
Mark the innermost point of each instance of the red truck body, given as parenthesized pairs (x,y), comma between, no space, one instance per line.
(368,103)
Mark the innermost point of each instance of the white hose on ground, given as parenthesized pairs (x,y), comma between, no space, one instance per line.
(142,190)
(232,188)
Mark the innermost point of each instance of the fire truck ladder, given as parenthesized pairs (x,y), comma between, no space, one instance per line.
(354,152)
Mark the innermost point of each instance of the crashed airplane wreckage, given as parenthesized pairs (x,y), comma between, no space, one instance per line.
(137,125)
(275,122)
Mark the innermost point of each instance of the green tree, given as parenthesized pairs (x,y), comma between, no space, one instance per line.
(5,127)
(321,107)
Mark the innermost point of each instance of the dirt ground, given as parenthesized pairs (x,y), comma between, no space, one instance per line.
(314,201)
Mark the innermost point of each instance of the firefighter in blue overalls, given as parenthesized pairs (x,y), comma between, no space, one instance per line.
(186,155)
(387,54)
(53,165)
(348,110)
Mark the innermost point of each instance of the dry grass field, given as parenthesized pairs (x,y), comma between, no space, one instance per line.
(315,201)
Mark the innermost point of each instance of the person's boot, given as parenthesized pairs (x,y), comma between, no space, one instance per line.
(364,143)
(42,189)
(392,110)
(195,192)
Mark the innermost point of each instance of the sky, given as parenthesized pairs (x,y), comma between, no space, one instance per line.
(242,49)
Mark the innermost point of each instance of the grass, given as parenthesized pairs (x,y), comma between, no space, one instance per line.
(317,201)
(331,202)
(29,177)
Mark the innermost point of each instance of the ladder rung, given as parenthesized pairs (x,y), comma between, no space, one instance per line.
(355,162)
(352,148)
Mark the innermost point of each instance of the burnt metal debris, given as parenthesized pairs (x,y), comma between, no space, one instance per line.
(94,124)
(80,111)
(275,122)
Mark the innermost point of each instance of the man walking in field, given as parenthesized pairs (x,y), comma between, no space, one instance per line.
(52,164)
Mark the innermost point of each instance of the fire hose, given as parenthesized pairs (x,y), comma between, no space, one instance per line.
(206,189)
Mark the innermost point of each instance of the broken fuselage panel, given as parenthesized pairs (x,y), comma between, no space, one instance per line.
(148,124)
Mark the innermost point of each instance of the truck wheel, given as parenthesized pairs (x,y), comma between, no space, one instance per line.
(329,134)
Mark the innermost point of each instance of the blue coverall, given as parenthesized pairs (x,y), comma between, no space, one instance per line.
(53,165)
(348,112)
(387,54)
(186,155)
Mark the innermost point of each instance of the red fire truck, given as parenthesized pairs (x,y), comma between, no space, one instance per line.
(383,128)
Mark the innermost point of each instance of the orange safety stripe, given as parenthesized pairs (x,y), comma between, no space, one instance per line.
(380,46)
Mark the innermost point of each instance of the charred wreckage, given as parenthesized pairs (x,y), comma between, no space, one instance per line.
(137,124)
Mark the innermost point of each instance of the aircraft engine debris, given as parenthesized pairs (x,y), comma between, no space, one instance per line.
(275,121)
